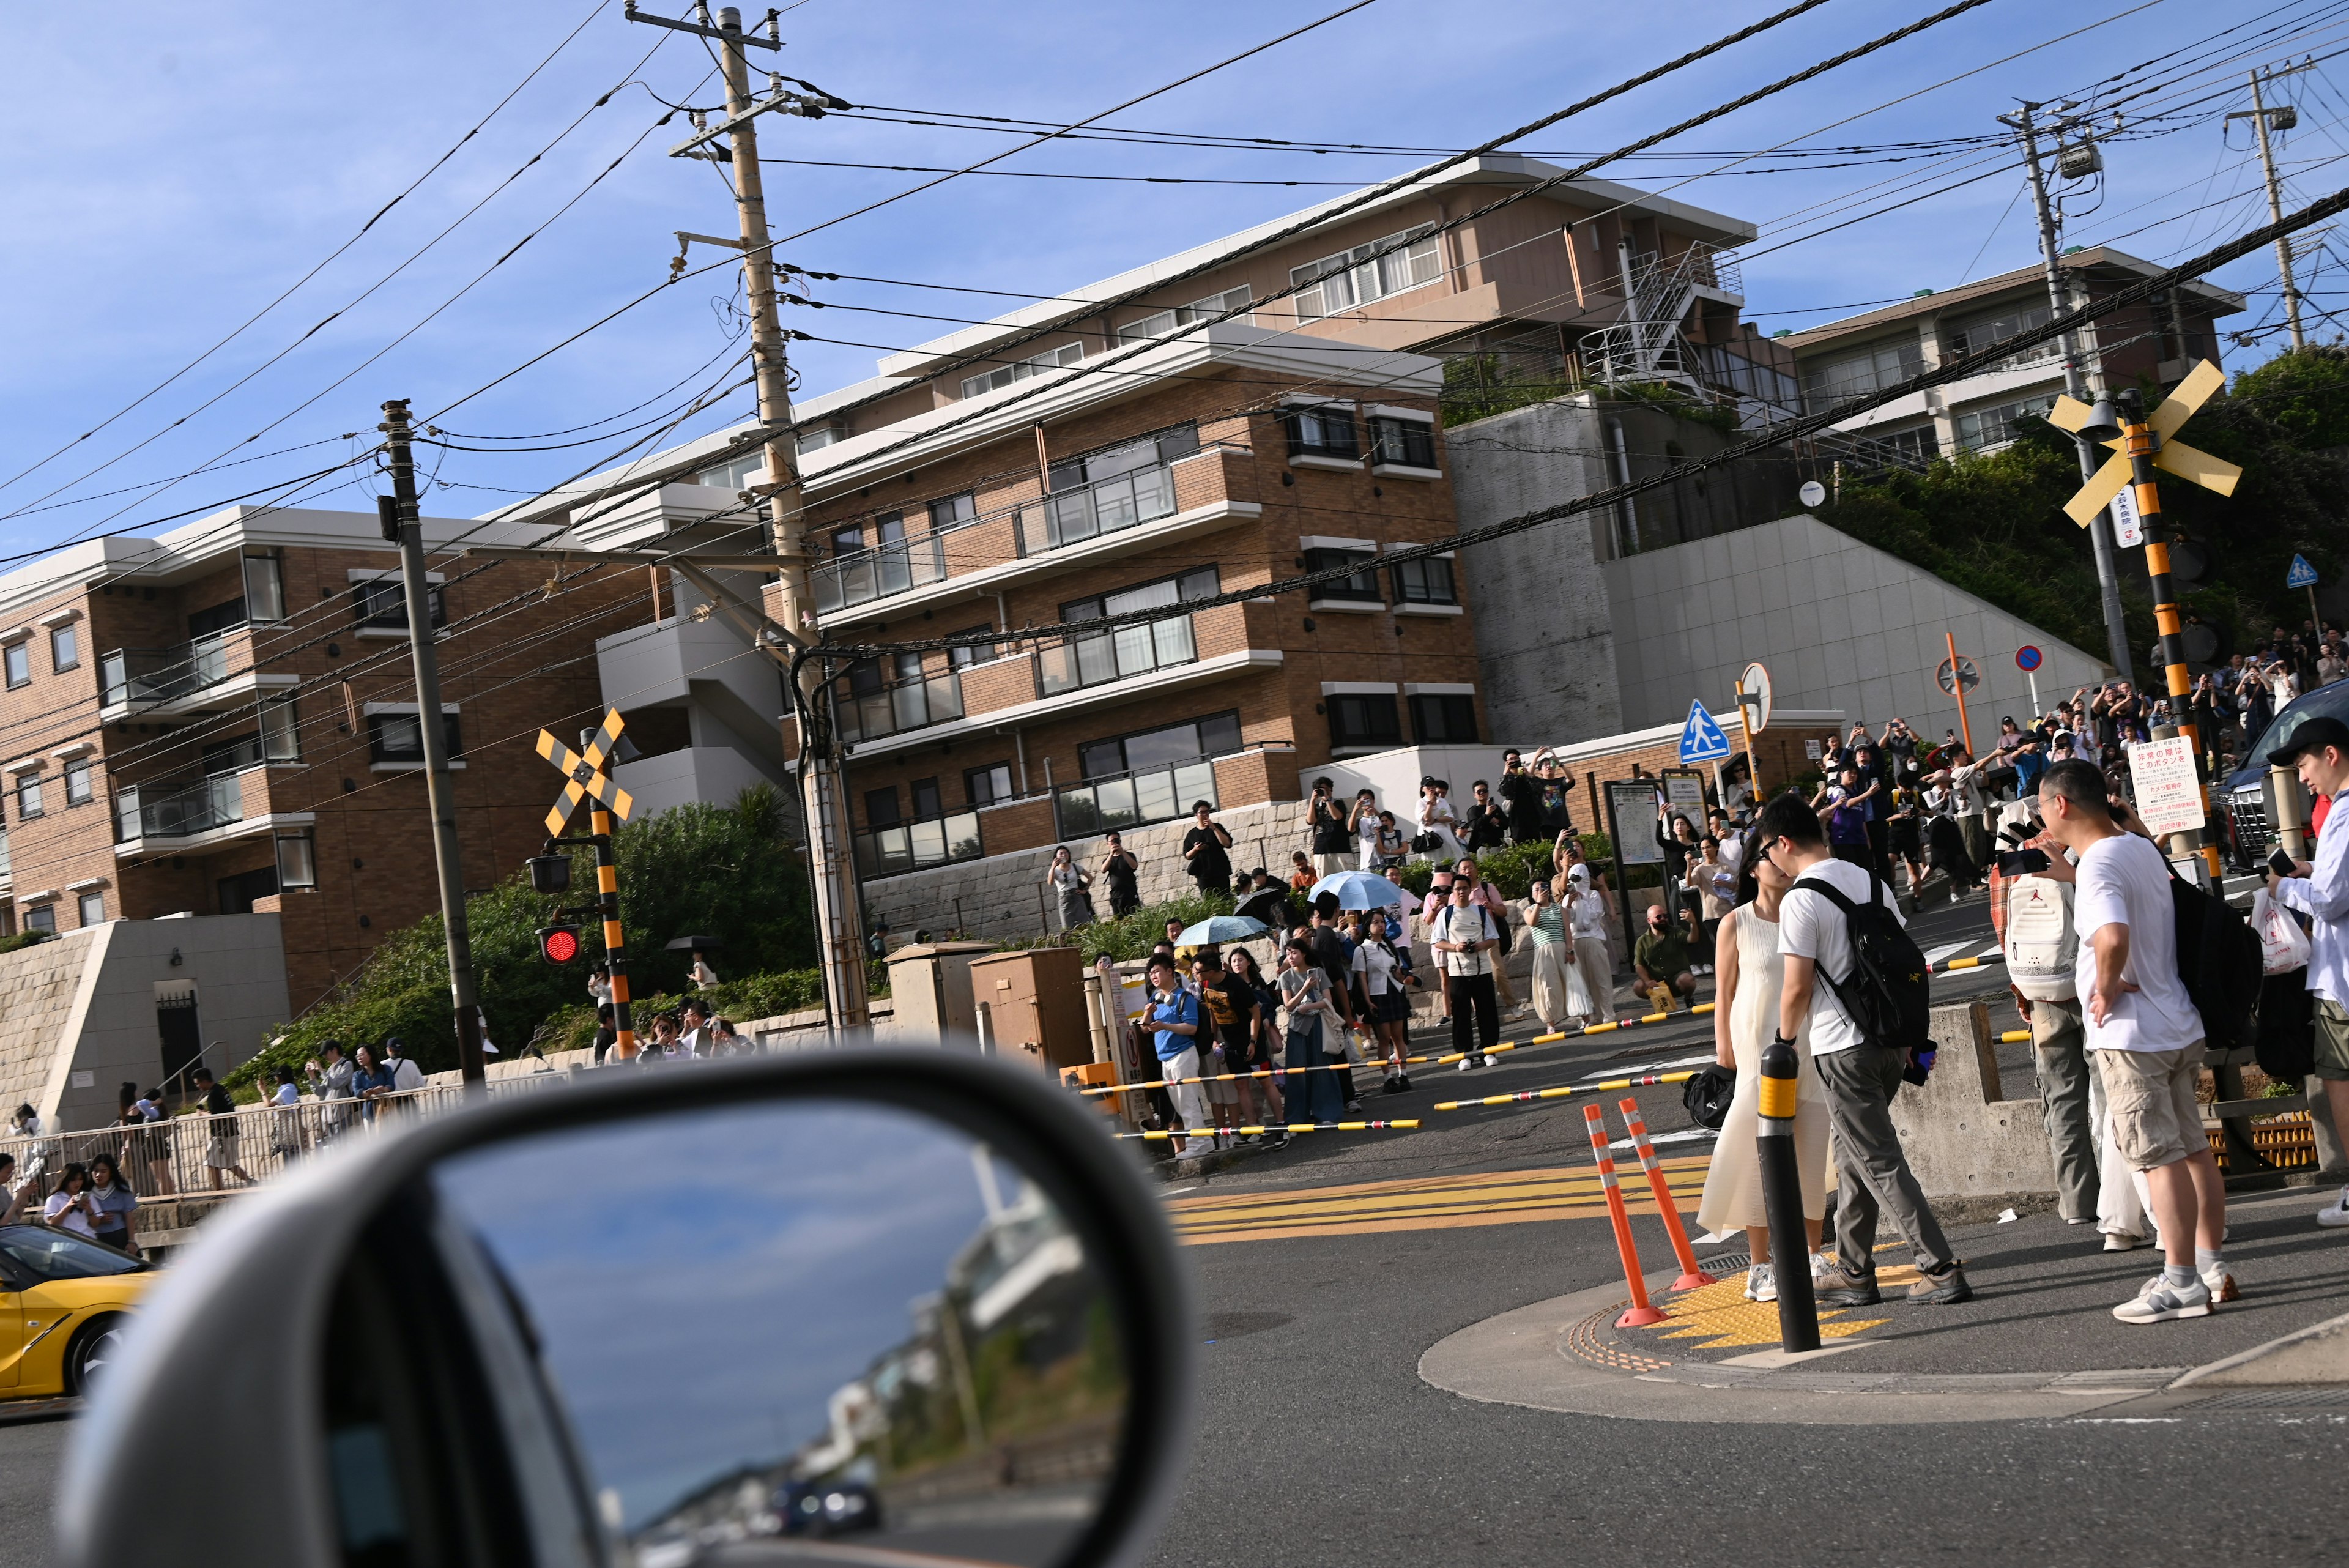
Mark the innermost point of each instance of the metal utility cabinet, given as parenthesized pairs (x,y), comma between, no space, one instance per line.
(1035,1002)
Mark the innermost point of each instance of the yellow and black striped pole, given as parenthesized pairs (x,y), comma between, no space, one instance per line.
(1782,1199)
(616,950)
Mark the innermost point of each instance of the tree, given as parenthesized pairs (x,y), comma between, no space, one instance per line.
(695,869)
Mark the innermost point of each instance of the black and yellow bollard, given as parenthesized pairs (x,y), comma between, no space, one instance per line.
(1782,1199)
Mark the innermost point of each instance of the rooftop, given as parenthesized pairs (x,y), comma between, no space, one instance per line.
(2219,301)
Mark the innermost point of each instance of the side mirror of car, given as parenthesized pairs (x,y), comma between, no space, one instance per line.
(646,1320)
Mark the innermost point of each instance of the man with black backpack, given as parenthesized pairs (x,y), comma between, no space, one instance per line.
(2147,1037)
(1858,982)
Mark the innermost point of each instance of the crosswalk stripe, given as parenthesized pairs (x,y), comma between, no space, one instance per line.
(1484,1198)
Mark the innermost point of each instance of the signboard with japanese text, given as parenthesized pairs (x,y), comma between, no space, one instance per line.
(2169,791)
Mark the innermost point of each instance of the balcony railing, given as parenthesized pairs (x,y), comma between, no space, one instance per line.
(1130,799)
(906,705)
(177,810)
(1115,655)
(162,674)
(915,846)
(1065,517)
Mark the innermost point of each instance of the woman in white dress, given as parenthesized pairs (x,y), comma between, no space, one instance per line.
(1585,915)
(1749,975)
(1560,995)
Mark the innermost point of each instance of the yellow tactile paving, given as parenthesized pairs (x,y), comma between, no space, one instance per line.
(1718,1316)
(1443,1203)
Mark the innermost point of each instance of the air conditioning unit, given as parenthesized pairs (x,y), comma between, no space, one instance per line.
(2078,160)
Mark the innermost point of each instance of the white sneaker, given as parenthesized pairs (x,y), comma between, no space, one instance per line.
(2220,1283)
(1759,1285)
(2161,1301)
(1821,1266)
(2122,1242)
(1465,1062)
(2335,1213)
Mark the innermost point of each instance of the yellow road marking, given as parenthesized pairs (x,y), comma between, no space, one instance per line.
(1445,1202)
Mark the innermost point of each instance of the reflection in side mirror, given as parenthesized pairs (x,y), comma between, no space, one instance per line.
(799,1321)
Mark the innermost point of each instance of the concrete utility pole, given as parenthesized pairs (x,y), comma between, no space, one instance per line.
(840,938)
(2259,119)
(2100,531)
(401,525)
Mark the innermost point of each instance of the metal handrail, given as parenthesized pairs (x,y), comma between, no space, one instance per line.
(1132,798)
(165,674)
(177,810)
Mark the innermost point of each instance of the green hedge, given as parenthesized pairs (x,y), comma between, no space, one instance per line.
(1133,936)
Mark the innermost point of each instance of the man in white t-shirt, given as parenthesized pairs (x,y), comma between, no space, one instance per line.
(2147,1037)
(1872,1174)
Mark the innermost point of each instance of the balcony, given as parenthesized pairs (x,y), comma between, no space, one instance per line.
(1077,521)
(894,709)
(177,810)
(1119,654)
(211,672)
(186,817)
(1133,799)
(918,845)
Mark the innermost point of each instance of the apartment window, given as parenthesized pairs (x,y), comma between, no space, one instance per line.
(880,807)
(1985,428)
(1989,331)
(888,529)
(1158,324)
(265,586)
(1199,583)
(1359,719)
(1921,442)
(77,790)
(1350,277)
(1406,444)
(1321,430)
(742,472)
(280,738)
(19,660)
(64,648)
(41,918)
(986,785)
(1362,586)
(1003,375)
(963,655)
(28,795)
(1217,735)
(1154,449)
(1856,375)
(399,738)
(382,602)
(298,861)
(93,908)
(927,804)
(1427,581)
(1739,374)
(815,440)
(953,512)
(1444,720)
(216,618)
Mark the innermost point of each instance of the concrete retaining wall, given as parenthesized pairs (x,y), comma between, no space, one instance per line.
(1972,1148)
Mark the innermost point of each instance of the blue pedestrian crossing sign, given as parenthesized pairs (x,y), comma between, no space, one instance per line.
(2302,576)
(1700,739)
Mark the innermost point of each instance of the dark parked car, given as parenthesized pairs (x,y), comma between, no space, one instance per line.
(827,1507)
(2242,799)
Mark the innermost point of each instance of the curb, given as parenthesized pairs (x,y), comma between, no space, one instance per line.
(2317,1354)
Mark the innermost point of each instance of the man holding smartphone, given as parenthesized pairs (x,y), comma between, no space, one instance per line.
(2318,751)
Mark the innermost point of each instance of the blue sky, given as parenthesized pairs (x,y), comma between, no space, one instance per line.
(704,1281)
(172,177)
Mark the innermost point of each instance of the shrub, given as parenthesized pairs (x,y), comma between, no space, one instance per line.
(1133,936)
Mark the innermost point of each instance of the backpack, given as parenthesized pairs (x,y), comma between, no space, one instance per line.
(2042,945)
(1888,993)
(2221,962)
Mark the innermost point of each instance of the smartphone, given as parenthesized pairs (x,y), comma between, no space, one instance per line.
(2279,862)
(2022,862)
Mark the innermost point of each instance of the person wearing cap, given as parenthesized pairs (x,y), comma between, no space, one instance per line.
(405,1073)
(2318,751)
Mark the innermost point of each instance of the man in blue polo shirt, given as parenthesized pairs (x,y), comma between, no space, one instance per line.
(1175,1026)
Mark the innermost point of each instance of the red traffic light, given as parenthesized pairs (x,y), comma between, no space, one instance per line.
(558,944)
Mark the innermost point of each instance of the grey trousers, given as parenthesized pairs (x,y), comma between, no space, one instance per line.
(2058,1050)
(1872,1175)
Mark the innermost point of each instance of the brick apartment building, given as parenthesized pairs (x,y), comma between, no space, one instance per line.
(2158,342)
(1310,431)
(221,720)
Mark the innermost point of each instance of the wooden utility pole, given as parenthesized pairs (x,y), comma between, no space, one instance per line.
(402,527)
(840,937)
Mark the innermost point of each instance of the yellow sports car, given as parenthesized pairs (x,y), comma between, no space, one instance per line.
(64,1302)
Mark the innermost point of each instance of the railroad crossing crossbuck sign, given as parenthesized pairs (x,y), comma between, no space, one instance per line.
(587,774)
(2070,414)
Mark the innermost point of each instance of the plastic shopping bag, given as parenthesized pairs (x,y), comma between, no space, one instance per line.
(2283,946)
